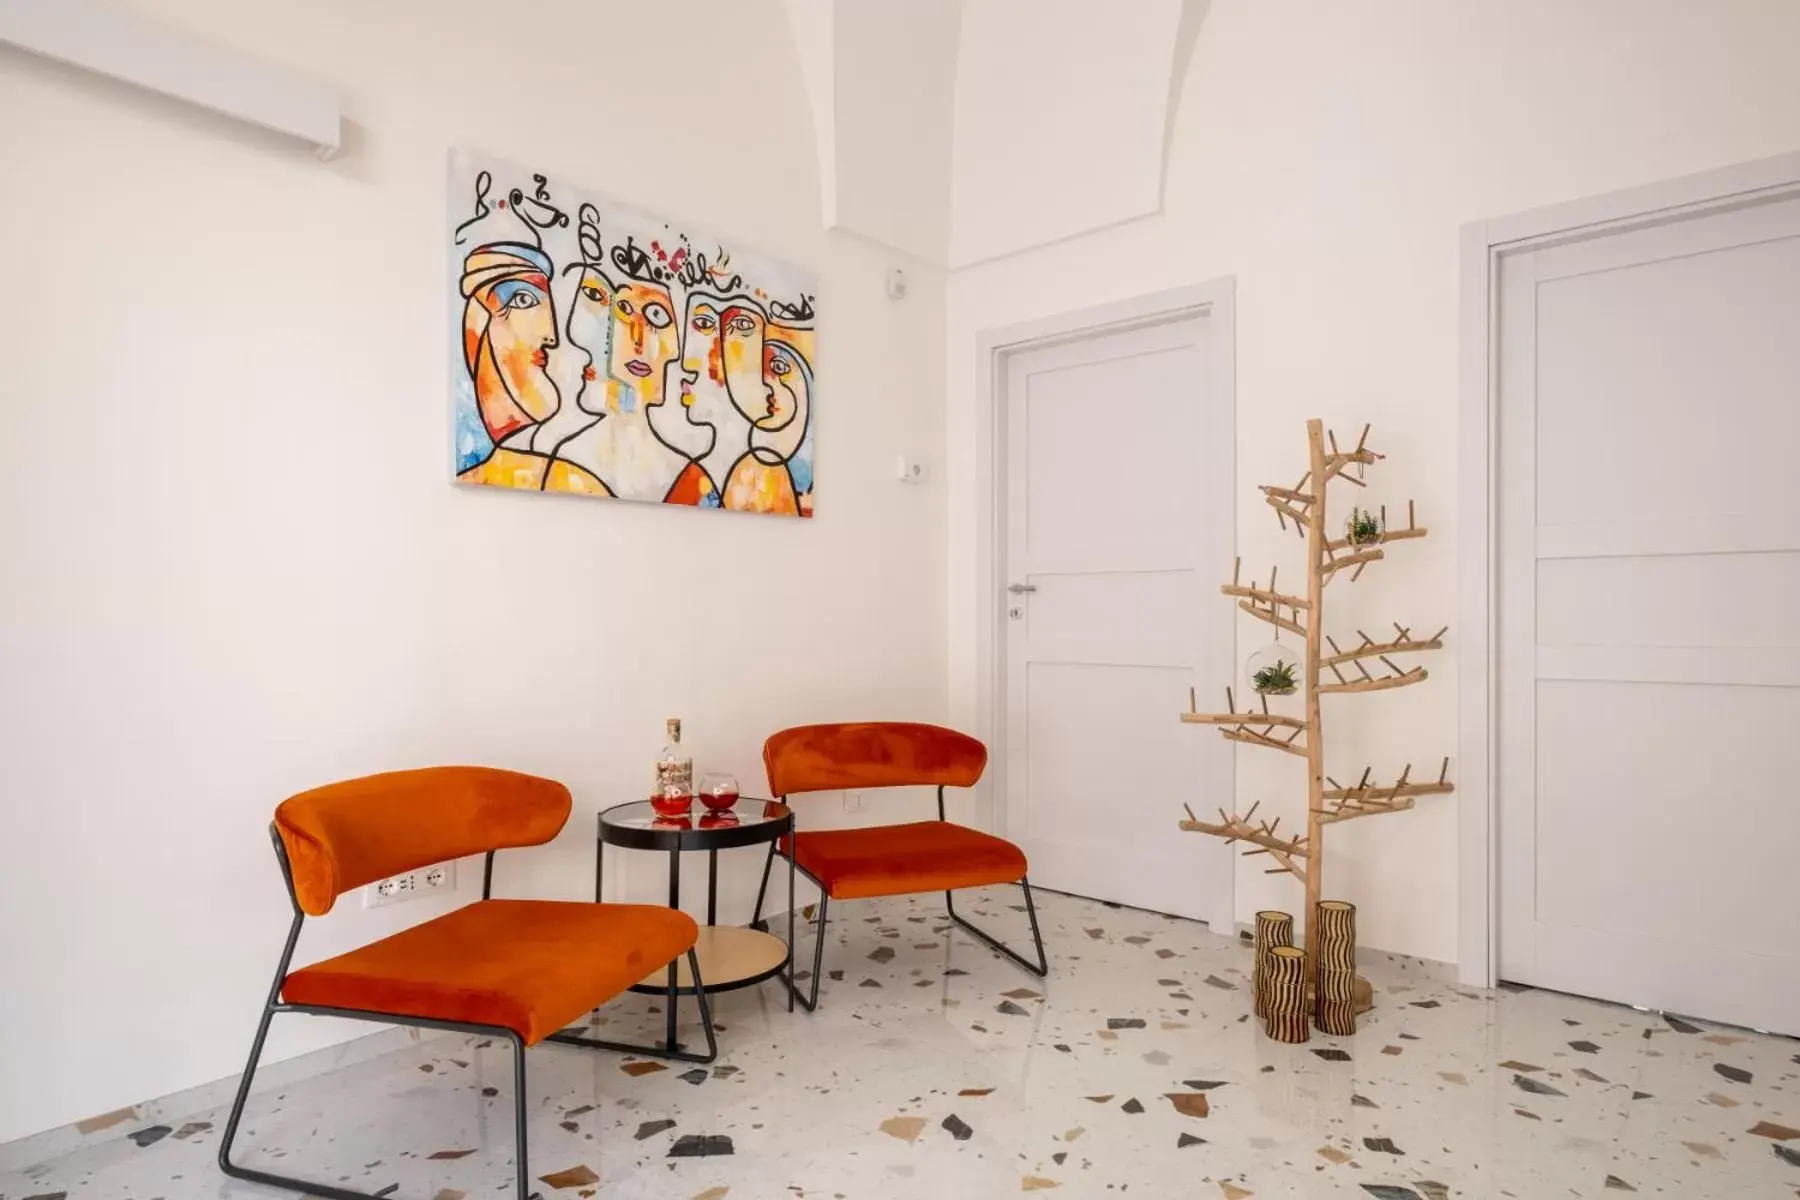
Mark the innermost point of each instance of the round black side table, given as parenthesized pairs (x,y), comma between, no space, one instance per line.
(731,956)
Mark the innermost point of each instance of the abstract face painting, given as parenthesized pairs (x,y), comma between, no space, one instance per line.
(607,352)
(509,330)
(590,325)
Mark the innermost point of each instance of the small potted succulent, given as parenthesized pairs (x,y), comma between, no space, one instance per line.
(1275,679)
(1363,527)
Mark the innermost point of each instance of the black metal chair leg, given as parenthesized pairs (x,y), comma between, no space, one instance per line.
(812,1003)
(1042,966)
(524,1172)
(758,923)
(311,1188)
(271,1006)
(792,865)
(243,1095)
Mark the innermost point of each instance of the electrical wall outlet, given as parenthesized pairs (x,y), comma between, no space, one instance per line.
(396,889)
(856,802)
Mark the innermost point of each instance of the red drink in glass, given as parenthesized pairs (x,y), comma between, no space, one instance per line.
(718,791)
(672,805)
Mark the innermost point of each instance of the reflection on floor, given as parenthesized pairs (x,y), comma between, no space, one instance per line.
(934,1069)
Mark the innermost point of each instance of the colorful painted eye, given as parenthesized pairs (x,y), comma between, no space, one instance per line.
(624,307)
(657,315)
(742,326)
(522,299)
(593,293)
(780,366)
(705,323)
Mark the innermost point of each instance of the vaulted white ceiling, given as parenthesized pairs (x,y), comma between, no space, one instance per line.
(881,79)
(961,130)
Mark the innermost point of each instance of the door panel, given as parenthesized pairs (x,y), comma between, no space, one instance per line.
(1623,789)
(1162,606)
(1646,374)
(1649,665)
(1096,823)
(1107,447)
(1117,447)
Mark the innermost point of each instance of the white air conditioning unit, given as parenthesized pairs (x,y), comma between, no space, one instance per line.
(123,45)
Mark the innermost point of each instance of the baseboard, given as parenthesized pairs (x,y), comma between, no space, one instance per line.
(175,1108)
(1429,968)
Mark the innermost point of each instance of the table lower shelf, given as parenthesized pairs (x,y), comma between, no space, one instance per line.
(730,957)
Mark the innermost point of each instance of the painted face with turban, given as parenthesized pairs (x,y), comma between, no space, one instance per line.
(509,329)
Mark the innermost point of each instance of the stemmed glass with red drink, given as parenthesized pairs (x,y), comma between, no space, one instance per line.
(718,791)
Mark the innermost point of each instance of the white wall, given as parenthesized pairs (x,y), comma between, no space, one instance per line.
(235,567)
(1325,155)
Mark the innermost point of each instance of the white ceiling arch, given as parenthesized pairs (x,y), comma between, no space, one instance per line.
(881,78)
(1062,116)
(962,130)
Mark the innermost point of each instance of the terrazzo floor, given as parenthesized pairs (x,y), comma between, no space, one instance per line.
(934,1069)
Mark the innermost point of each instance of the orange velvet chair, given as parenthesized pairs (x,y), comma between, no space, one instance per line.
(890,860)
(514,969)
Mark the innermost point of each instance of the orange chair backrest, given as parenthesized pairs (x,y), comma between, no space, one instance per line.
(871,754)
(344,835)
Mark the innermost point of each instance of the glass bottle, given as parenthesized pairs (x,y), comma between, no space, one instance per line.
(674,769)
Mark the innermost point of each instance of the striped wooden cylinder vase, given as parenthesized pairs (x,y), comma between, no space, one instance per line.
(1287,1016)
(1335,1010)
(1272,929)
(1334,939)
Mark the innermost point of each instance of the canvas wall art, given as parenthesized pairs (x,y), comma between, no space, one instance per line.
(602,351)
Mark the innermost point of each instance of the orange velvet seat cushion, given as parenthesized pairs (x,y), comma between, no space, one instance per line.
(899,860)
(532,966)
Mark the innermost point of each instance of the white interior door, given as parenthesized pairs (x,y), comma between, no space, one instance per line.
(1118,523)
(1649,662)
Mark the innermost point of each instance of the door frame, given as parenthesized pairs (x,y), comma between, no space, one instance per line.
(1484,244)
(1214,300)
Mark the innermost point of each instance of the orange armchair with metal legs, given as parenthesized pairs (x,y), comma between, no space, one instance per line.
(514,969)
(889,860)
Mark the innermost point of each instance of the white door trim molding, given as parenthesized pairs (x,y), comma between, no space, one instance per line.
(1484,244)
(1214,299)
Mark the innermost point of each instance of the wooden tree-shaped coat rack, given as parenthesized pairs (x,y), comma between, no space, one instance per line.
(1327,800)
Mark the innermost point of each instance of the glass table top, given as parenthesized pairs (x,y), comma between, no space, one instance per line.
(748,813)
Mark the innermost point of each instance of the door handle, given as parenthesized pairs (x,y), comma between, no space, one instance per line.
(1020,589)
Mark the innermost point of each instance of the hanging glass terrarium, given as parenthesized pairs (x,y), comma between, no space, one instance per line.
(1274,670)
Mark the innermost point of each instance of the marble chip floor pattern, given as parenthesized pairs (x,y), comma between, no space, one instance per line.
(935,1069)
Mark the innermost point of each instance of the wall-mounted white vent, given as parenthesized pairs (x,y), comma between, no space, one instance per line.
(125,46)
